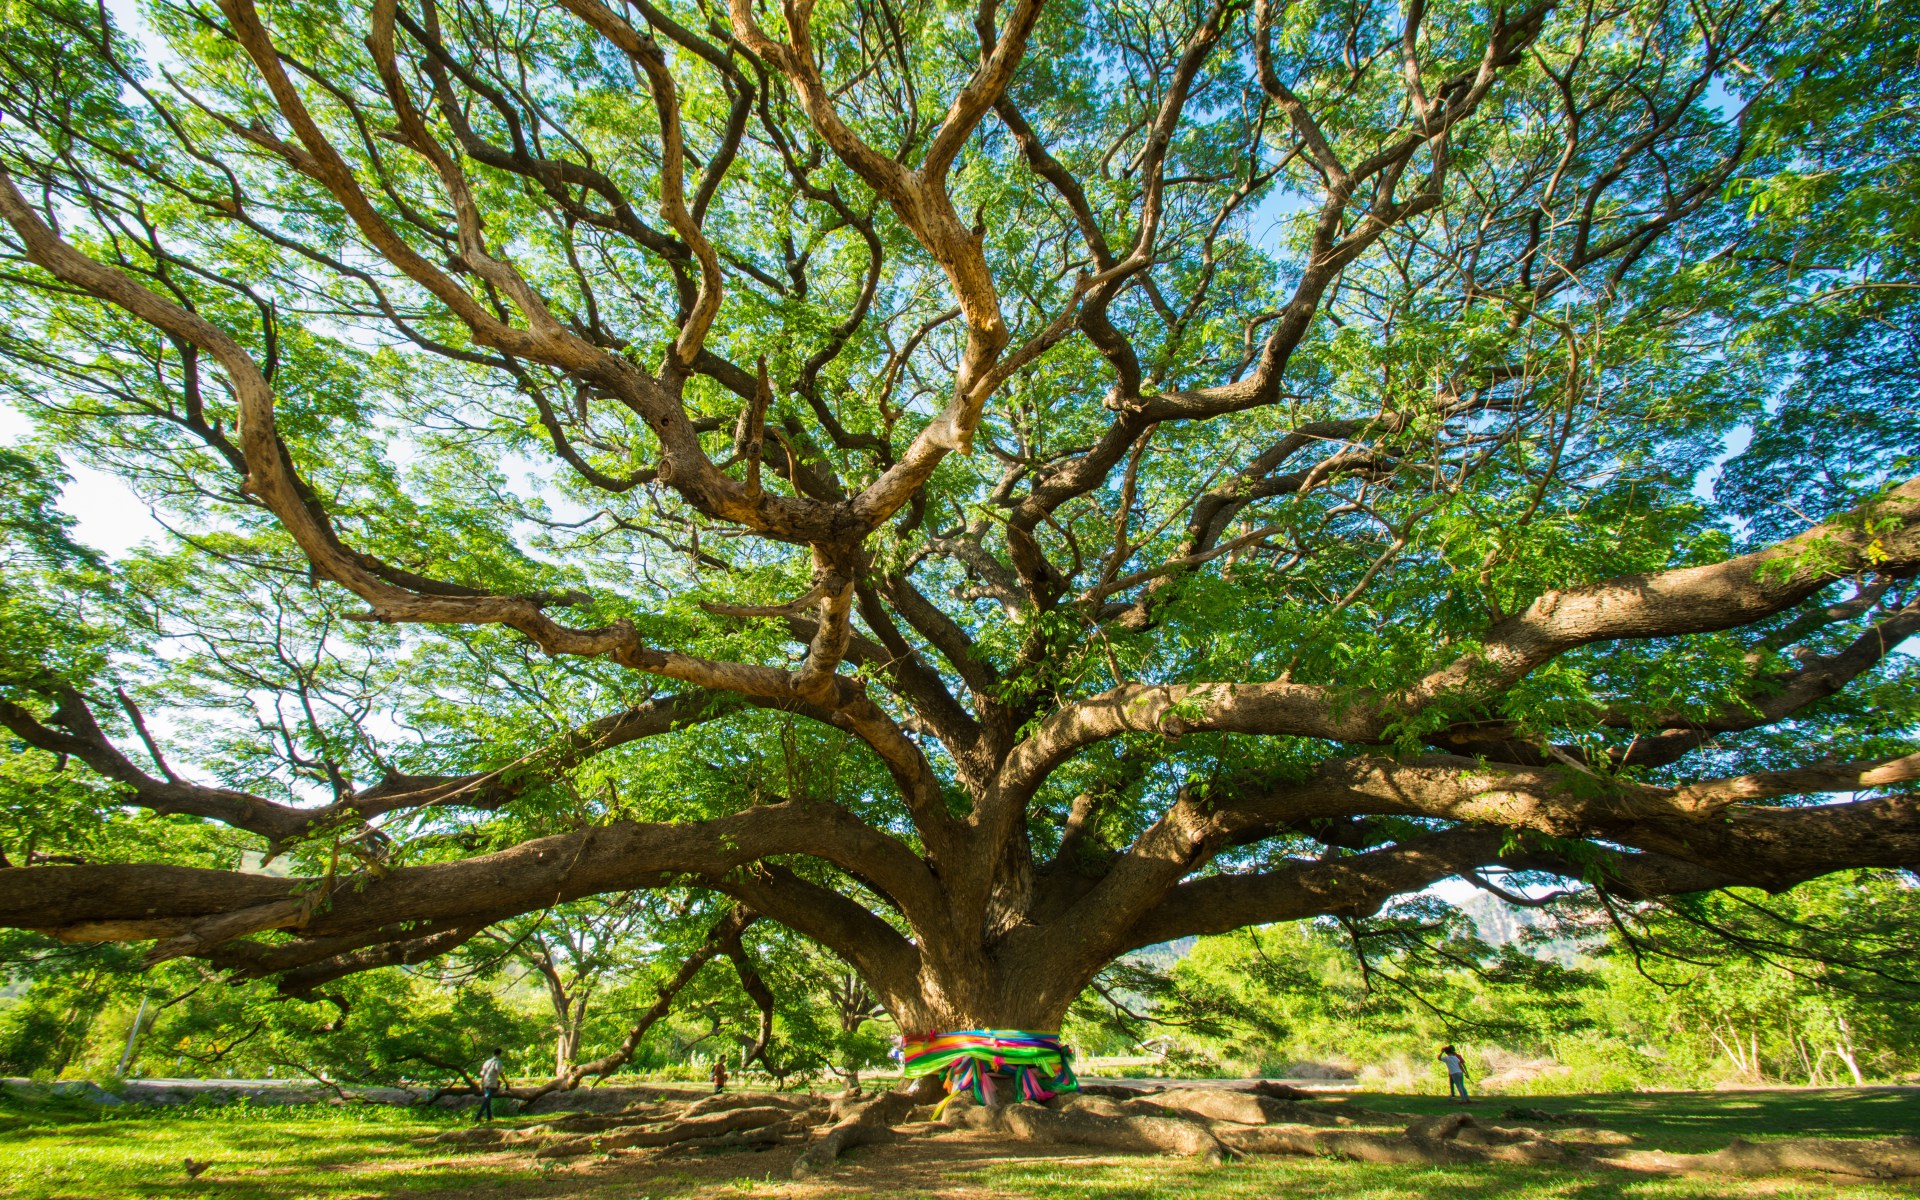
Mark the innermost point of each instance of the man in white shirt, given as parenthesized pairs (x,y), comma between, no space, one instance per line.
(1456,1074)
(492,1075)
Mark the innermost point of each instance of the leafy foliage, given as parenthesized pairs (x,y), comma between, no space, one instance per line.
(1810,987)
(501,377)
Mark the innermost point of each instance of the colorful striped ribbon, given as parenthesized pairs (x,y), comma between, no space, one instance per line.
(1040,1065)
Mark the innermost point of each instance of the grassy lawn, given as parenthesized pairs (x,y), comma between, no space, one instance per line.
(1690,1122)
(69,1152)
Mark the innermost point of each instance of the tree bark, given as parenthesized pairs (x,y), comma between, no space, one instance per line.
(970,929)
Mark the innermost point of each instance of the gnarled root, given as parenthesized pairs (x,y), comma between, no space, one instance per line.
(1238,1107)
(740,1119)
(599,1122)
(768,1121)
(1118,1091)
(1083,1124)
(1216,1125)
(1321,1143)
(1884,1158)
(730,1100)
(765,1137)
(862,1122)
(1454,1138)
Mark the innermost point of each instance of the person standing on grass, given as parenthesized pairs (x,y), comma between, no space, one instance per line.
(1456,1074)
(492,1075)
(719,1076)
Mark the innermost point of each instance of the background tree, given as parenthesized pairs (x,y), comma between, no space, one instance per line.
(987,490)
(1685,992)
(573,949)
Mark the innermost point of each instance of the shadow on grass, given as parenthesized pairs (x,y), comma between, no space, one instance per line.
(1321,1179)
(1697,1121)
(267,1154)
(1678,1121)
(254,1155)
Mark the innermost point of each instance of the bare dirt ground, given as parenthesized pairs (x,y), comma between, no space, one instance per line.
(933,1168)
(1748,1145)
(933,1162)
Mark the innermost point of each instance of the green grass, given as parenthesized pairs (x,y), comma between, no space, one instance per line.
(64,1150)
(1692,1122)
(1297,1179)
(1681,1122)
(60,1150)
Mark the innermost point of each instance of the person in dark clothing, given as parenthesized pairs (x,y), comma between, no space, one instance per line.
(719,1076)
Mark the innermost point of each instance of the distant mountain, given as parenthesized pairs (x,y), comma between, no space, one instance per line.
(1496,921)
(1499,923)
(1165,954)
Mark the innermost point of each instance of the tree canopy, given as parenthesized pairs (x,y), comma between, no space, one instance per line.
(988,488)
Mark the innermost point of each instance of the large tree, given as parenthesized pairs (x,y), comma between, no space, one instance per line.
(988,488)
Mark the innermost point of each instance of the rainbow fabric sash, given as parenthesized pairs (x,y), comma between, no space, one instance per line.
(1041,1066)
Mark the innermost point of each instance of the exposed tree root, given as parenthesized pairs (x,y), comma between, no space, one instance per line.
(1117,1091)
(864,1121)
(571,1124)
(1079,1125)
(1321,1143)
(711,1121)
(1214,1125)
(1885,1158)
(1454,1138)
(1241,1123)
(1458,1138)
(764,1138)
(1442,1128)
(726,1100)
(596,1122)
(1279,1091)
(707,1125)
(1219,1104)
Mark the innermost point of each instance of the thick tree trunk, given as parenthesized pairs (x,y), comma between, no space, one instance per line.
(997,1000)
(965,1004)
(977,987)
